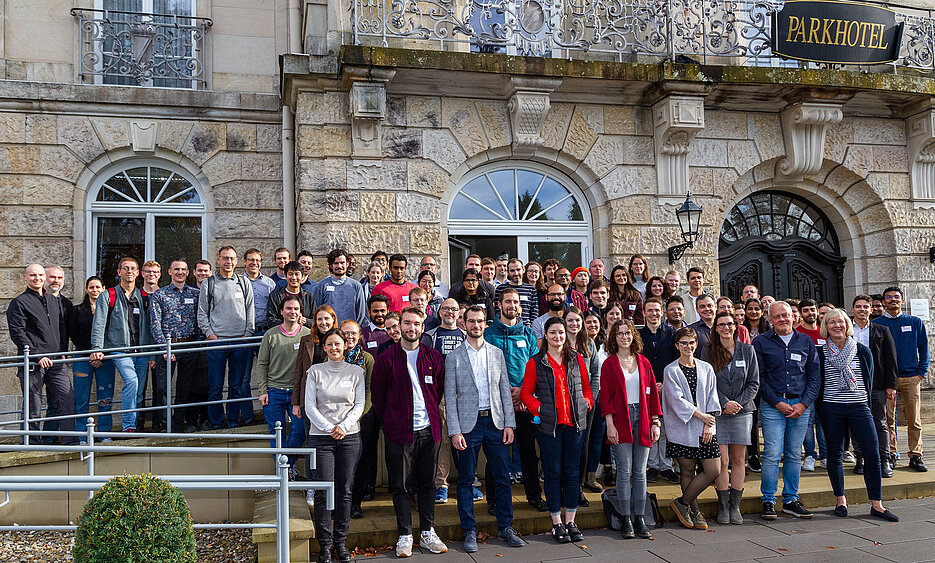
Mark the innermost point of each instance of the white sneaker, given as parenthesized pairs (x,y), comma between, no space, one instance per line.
(849,457)
(431,542)
(310,497)
(823,463)
(808,464)
(404,546)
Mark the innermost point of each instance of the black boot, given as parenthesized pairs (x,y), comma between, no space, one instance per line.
(343,554)
(324,554)
(626,528)
(859,466)
(642,530)
(582,500)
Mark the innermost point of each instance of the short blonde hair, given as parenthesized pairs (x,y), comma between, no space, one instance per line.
(833,314)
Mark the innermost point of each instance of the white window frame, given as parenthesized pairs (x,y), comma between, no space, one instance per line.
(149,211)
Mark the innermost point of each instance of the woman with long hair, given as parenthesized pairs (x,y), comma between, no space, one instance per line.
(690,405)
(533,276)
(558,395)
(472,292)
(656,287)
(595,446)
(725,305)
(334,398)
(755,318)
(631,412)
(372,277)
(844,405)
(738,380)
(622,291)
(426,280)
(638,269)
(580,342)
(78,327)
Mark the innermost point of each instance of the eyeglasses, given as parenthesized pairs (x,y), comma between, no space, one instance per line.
(470,280)
(624,335)
(725,325)
(448,309)
(891,297)
(686,343)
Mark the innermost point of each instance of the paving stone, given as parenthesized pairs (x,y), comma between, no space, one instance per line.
(896,532)
(810,542)
(904,552)
(831,556)
(714,552)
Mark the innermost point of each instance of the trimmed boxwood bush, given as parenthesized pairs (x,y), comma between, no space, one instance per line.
(135,519)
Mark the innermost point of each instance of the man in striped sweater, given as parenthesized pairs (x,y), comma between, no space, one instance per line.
(527,293)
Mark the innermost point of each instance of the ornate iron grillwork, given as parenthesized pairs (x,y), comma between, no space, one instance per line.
(142,49)
(775,217)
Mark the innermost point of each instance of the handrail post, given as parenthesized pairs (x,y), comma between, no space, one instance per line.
(282,510)
(169,383)
(278,434)
(26,390)
(90,457)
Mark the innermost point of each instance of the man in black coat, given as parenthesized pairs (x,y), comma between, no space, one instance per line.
(659,348)
(883,348)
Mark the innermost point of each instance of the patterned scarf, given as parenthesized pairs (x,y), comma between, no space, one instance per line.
(841,359)
(355,356)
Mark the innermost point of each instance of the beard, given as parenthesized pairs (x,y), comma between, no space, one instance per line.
(556,304)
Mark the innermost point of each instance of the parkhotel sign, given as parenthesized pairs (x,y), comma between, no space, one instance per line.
(827,31)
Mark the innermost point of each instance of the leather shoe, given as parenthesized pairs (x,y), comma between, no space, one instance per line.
(511,538)
(356,512)
(916,463)
(886,468)
(583,500)
(626,528)
(324,556)
(859,466)
(342,552)
(640,527)
(539,505)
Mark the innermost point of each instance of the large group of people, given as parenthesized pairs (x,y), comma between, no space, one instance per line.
(547,367)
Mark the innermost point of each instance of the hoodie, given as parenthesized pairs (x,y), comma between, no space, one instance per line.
(518,344)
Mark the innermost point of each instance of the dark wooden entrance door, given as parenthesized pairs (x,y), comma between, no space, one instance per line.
(782,244)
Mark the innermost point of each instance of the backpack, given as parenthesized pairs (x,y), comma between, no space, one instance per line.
(241,281)
(112,300)
(653,517)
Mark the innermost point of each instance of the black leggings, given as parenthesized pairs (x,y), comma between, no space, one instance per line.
(693,485)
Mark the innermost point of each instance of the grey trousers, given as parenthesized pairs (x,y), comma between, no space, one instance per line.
(657,454)
(631,462)
(58,382)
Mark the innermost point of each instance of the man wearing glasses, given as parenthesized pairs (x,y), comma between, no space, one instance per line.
(555,303)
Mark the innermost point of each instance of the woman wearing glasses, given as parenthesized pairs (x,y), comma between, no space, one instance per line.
(472,292)
(738,381)
(689,405)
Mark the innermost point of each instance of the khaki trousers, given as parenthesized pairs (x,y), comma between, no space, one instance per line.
(910,390)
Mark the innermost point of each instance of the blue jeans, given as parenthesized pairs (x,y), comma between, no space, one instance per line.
(280,404)
(631,461)
(484,434)
(249,417)
(234,361)
(782,438)
(104,380)
(815,429)
(596,438)
(560,457)
(131,370)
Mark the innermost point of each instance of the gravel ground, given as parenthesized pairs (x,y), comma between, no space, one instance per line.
(233,546)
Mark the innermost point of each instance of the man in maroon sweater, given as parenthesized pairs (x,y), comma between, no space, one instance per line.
(407,384)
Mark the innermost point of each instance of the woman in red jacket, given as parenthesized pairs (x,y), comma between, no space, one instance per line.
(558,395)
(630,406)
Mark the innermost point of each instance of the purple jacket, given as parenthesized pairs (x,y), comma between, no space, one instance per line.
(391,391)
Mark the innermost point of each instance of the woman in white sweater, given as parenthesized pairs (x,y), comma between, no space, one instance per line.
(334,402)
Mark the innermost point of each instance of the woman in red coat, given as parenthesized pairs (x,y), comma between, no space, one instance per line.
(630,406)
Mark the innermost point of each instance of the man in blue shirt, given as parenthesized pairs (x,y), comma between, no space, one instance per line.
(912,361)
(789,384)
(343,294)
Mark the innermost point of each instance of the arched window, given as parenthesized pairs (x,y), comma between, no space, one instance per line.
(147,210)
(519,209)
(777,216)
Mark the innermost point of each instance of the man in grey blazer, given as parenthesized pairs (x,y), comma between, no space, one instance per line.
(480,413)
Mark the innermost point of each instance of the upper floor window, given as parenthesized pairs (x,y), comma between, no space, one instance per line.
(143,43)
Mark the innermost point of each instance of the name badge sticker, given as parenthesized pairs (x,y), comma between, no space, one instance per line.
(741,363)
(371,345)
(405,299)
(795,357)
(633,307)
(905,328)
(429,379)
(295,346)
(822,341)
(329,288)
(647,390)
(524,298)
(189,301)
(347,384)
(521,344)
(136,311)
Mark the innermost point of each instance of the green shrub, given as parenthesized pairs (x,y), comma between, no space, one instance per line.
(135,519)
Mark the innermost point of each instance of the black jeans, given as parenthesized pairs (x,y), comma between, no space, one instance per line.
(184,366)
(524,438)
(836,418)
(58,384)
(366,476)
(878,412)
(335,460)
(403,461)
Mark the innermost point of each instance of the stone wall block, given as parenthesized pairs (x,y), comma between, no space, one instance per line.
(247,224)
(363,238)
(241,194)
(78,135)
(21,159)
(206,140)
(496,121)
(330,140)
(402,143)
(269,138)
(41,190)
(859,159)
(910,241)
(325,207)
(890,159)
(873,131)
(872,219)
(262,166)
(11,189)
(241,137)
(619,120)
(425,239)
(766,131)
(328,108)
(377,207)
(701,180)
(422,111)
(440,146)
(620,181)
(556,124)
(460,116)
(708,152)
(49,251)
(742,155)
(40,129)
(12,128)
(223,167)
(386,175)
(413,207)
(319,238)
(112,132)
(426,177)
(59,162)
(633,210)
(838,137)
(39,221)
(638,150)
(606,153)
(880,270)
(11,252)
(396,111)
(173,134)
(322,174)
(724,125)
(581,133)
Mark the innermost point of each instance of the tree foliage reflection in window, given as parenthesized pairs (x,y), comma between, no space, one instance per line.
(515,194)
(147,184)
(777,216)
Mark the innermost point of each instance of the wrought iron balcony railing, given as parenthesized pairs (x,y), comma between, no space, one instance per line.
(736,32)
(142,49)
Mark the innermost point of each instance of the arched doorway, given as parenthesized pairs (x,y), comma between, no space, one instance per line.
(520,209)
(782,244)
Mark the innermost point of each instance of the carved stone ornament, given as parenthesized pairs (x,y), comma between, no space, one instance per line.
(920,135)
(143,136)
(803,133)
(676,121)
(368,109)
(529,106)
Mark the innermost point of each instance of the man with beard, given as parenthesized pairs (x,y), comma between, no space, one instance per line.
(675,312)
(527,293)
(407,385)
(374,334)
(343,294)
(396,289)
(391,324)
(573,297)
(555,299)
